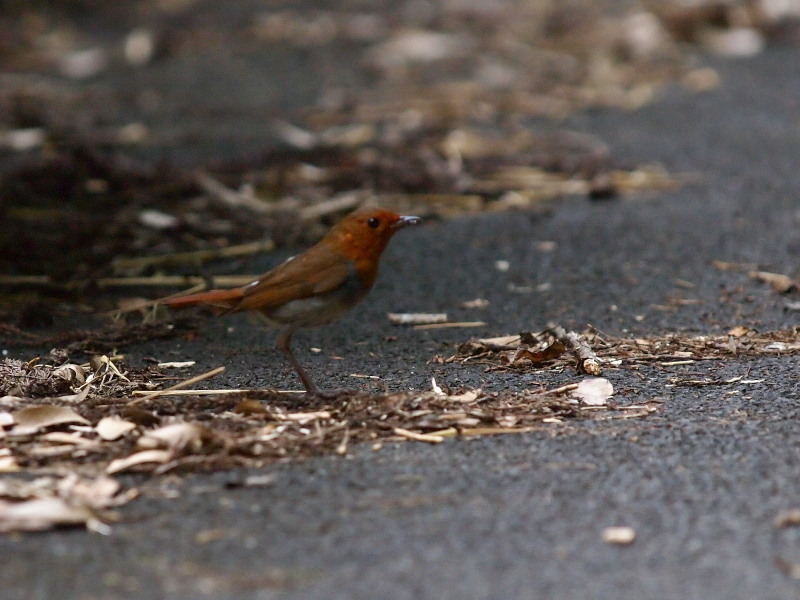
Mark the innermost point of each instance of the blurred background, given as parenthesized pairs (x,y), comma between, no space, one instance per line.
(163,126)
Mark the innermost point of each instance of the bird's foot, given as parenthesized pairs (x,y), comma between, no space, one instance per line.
(328,394)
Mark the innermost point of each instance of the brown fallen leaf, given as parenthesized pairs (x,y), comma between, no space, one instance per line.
(75,374)
(31,419)
(550,352)
(739,331)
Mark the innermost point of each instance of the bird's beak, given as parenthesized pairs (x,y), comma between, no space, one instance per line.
(405,221)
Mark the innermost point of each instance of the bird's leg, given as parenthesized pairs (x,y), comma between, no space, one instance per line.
(284,337)
(283,345)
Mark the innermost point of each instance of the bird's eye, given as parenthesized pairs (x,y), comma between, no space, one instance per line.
(373,222)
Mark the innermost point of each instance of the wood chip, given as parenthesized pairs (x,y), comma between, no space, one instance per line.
(417,318)
(621,535)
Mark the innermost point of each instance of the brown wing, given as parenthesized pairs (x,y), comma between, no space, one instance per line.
(315,271)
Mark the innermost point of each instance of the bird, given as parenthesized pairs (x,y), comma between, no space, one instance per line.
(315,287)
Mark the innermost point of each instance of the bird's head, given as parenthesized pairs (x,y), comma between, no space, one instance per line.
(363,234)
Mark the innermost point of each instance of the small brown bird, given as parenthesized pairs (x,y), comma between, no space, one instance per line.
(315,287)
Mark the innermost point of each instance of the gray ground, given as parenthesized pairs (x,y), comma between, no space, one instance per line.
(520,516)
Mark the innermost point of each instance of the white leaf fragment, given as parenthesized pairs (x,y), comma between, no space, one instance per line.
(139,458)
(593,391)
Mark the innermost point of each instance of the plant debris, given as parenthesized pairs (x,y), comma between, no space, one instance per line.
(532,349)
(49,502)
(102,434)
(545,350)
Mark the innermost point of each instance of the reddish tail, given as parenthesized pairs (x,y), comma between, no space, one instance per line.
(222,298)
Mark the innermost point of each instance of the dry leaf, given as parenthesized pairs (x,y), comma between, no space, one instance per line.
(101,492)
(45,503)
(594,391)
(62,437)
(33,418)
(140,458)
(8,464)
(739,331)
(176,437)
(112,428)
(466,397)
(75,398)
(551,352)
(72,373)
(39,514)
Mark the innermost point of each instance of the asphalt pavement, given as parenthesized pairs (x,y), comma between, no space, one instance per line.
(701,481)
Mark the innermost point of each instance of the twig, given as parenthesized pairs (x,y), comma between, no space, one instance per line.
(453,324)
(182,392)
(587,359)
(341,202)
(562,390)
(230,198)
(473,431)
(174,280)
(419,437)
(178,386)
(136,264)
(25,280)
